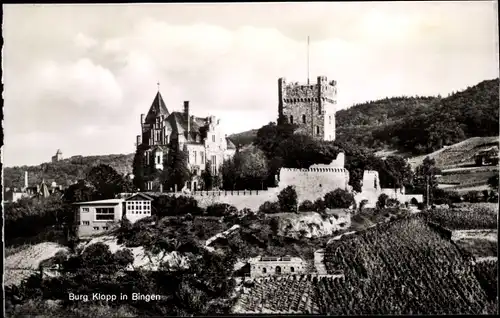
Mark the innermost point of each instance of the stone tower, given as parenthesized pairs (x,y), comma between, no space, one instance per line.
(309,106)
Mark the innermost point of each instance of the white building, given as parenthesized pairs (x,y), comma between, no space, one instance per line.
(95,217)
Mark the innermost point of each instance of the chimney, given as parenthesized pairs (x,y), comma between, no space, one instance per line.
(138,140)
(142,119)
(25,180)
(186,113)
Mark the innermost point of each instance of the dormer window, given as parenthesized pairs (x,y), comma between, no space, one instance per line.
(213,138)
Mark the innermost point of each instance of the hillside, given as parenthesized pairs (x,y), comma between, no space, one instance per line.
(422,124)
(244,138)
(416,125)
(66,171)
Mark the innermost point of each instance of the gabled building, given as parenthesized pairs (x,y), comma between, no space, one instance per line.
(200,137)
(96,217)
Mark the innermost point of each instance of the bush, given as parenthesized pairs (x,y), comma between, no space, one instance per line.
(392,203)
(382,201)
(221,209)
(287,199)
(306,206)
(472,197)
(362,204)
(454,197)
(269,207)
(167,205)
(493,197)
(339,199)
(319,205)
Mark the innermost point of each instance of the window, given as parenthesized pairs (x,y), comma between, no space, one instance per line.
(202,157)
(188,155)
(317,130)
(85,210)
(158,159)
(319,109)
(96,228)
(278,270)
(105,228)
(330,137)
(264,270)
(104,214)
(330,119)
(303,119)
(85,222)
(195,153)
(291,119)
(292,269)
(213,138)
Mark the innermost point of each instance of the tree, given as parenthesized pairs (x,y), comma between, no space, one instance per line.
(138,168)
(177,172)
(493,182)
(230,173)
(426,178)
(287,199)
(107,182)
(253,167)
(207,176)
(339,198)
(399,170)
(79,192)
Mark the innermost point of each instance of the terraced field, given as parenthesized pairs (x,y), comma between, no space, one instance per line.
(403,267)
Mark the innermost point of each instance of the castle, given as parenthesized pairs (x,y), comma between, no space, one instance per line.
(200,137)
(310,107)
(58,156)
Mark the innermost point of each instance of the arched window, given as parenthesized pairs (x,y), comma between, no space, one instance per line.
(303,119)
(292,269)
(291,119)
(278,270)
(317,130)
(264,270)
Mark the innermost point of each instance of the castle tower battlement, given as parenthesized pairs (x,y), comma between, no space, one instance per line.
(310,106)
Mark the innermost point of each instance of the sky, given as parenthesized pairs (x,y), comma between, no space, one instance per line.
(77,77)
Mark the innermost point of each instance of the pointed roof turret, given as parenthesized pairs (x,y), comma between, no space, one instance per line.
(157,108)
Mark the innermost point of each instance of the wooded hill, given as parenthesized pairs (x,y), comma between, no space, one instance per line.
(66,171)
(417,125)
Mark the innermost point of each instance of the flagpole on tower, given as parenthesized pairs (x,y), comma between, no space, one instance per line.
(308,60)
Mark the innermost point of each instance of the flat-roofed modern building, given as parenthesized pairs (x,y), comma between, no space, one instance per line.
(96,217)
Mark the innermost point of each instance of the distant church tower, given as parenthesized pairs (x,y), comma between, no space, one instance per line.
(310,106)
(58,156)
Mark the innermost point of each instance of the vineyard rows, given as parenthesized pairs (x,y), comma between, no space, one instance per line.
(468,218)
(281,295)
(403,267)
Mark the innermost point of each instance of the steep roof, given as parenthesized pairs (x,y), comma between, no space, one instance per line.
(157,108)
(179,124)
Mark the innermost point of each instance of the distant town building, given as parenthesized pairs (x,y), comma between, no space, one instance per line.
(95,217)
(310,106)
(265,266)
(58,156)
(201,137)
(487,157)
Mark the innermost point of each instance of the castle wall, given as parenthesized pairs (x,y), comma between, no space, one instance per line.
(371,191)
(239,199)
(314,183)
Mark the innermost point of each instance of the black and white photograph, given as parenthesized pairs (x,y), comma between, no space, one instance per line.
(250,158)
